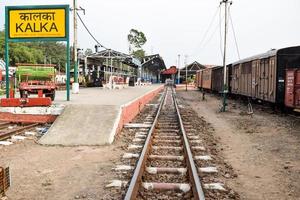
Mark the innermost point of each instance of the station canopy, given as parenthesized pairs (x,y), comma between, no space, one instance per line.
(153,63)
(102,57)
(171,71)
(192,68)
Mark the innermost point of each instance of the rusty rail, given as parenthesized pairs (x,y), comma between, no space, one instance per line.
(197,189)
(6,134)
(140,167)
(4,124)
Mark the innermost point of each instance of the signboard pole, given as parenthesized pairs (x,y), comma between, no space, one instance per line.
(6,67)
(68,69)
(68,54)
(6,56)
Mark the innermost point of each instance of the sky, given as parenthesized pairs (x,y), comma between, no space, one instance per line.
(181,27)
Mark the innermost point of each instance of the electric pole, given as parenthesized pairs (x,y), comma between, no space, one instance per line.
(225,87)
(75,85)
(178,81)
(185,64)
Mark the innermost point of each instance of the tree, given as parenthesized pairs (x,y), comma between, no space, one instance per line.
(88,52)
(136,40)
(140,54)
(34,52)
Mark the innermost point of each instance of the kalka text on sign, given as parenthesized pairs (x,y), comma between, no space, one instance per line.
(37,23)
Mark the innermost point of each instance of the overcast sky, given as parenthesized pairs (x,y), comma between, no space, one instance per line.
(175,27)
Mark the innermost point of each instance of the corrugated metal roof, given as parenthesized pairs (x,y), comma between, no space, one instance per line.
(257,57)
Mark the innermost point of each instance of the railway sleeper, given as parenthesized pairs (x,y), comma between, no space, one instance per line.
(167,147)
(166,170)
(167,157)
(168,137)
(160,141)
(183,187)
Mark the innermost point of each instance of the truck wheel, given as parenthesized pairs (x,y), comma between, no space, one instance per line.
(22,94)
(52,96)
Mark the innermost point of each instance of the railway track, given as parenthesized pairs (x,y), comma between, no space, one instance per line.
(169,155)
(166,167)
(7,130)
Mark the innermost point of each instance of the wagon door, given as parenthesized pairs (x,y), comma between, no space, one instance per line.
(297,91)
(261,75)
(272,80)
(266,79)
(253,79)
(289,88)
(239,86)
(234,79)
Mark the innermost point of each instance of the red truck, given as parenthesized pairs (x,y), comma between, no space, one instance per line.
(36,79)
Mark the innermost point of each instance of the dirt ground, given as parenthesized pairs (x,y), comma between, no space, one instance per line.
(62,173)
(58,173)
(263,149)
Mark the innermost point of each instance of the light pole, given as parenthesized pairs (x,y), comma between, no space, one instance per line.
(185,64)
(75,84)
(178,82)
(225,87)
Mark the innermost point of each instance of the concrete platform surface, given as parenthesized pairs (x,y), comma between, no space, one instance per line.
(95,116)
(101,96)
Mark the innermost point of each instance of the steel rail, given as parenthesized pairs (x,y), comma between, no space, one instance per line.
(140,167)
(4,124)
(193,173)
(7,134)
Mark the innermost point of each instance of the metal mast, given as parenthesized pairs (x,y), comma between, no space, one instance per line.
(225,86)
(75,84)
(178,81)
(185,64)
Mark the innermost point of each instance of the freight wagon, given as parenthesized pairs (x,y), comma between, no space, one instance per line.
(211,79)
(273,77)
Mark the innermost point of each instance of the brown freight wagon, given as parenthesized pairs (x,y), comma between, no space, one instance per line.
(212,80)
(218,78)
(198,82)
(263,76)
(206,78)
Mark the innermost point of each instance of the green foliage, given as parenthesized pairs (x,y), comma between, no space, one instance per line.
(140,54)
(88,52)
(136,38)
(34,52)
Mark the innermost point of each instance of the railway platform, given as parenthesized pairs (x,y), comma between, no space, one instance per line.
(96,115)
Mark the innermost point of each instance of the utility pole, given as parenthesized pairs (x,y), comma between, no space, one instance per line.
(178,82)
(185,64)
(225,87)
(75,85)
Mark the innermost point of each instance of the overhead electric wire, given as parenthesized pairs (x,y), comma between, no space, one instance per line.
(90,32)
(221,41)
(207,30)
(211,36)
(235,40)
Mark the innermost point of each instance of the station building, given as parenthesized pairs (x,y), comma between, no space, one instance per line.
(98,67)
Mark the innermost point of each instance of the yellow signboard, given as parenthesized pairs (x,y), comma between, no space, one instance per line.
(37,23)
